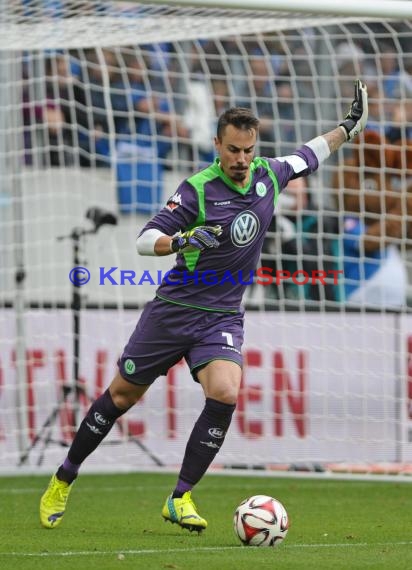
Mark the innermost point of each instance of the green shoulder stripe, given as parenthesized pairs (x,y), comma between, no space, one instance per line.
(198,182)
(265,164)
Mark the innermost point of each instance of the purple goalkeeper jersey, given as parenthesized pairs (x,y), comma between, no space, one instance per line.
(215,279)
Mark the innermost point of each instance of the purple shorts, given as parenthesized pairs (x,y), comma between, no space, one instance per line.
(166,333)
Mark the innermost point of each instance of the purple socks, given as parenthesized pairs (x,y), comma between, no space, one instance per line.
(205,441)
(96,425)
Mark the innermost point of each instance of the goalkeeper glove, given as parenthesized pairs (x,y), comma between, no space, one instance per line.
(355,120)
(202,237)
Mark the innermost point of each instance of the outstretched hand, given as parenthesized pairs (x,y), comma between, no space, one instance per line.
(357,116)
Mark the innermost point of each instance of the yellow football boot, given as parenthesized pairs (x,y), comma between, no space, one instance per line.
(53,502)
(183,512)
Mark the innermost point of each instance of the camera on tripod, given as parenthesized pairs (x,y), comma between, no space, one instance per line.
(99,217)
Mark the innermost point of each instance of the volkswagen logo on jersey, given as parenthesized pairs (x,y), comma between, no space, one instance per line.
(244,228)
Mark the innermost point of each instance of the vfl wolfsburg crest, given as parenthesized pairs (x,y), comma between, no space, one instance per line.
(129,366)
(261,189)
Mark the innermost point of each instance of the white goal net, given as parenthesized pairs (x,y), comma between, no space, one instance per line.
(104,108)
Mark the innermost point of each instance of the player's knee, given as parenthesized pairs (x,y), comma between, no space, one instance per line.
(225,391)
(125,394)
(225,395)
(123,400)
(221,381)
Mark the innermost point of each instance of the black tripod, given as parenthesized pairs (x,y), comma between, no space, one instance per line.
(78,277)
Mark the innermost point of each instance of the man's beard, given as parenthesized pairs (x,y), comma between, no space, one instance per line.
(239,175)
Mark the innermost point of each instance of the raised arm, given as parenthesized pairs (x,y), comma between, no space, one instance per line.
(323,145)
(350,127)
(354,122)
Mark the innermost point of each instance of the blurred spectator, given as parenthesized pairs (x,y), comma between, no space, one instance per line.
(350,59)
(374,271)
(394,127)
(59,117)
(32,111)
(144,129)
(260,95)
(374,225)
(48,110)
(50,8)
(207,99)
(377,120)
(221,95)
(296,71)
(302,238)
(92,105)
(400,128)
(200,120)
(388,74)
(389,69)
(405,78)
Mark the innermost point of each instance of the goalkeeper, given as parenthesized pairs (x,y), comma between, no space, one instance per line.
(216,221)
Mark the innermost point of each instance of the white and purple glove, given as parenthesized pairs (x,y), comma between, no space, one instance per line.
(202,237)
(355,120)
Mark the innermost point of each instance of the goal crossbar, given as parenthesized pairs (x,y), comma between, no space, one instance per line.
(381,8)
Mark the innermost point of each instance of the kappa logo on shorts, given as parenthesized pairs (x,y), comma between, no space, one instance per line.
(129,366)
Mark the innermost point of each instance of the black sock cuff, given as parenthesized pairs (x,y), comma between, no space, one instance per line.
(220,407)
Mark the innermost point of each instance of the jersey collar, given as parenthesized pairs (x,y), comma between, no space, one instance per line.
(239,189)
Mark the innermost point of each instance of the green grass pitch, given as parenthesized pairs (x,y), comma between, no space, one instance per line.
(114,522)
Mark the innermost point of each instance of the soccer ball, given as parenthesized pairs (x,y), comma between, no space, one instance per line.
(261,521)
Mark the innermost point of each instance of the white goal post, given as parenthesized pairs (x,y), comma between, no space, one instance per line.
(105,106)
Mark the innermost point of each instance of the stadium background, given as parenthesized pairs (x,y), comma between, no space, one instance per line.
(325,388)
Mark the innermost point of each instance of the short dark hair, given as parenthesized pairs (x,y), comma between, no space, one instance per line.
(240,117)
